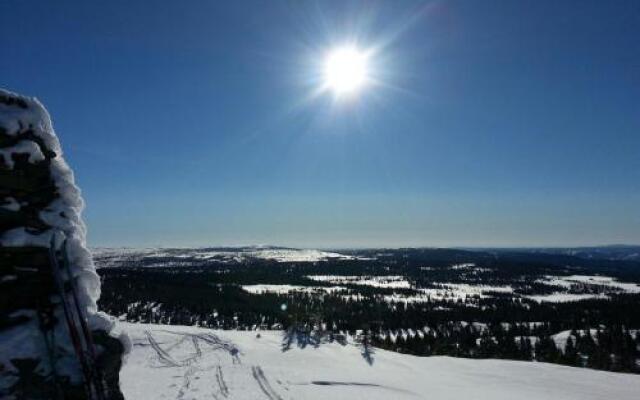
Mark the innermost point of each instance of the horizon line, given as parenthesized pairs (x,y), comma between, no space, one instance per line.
(388,247)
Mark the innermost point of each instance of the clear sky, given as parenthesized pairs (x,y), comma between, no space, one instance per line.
(498,123)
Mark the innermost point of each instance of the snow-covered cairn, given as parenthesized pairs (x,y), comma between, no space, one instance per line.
(54,344)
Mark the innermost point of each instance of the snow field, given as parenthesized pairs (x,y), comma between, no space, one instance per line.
(177,362)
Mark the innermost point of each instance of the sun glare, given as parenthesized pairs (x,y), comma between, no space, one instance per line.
(345,70)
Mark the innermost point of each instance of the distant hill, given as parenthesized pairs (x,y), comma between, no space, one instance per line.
(611,252)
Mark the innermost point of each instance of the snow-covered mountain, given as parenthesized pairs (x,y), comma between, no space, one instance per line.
(177,362)
(106,257)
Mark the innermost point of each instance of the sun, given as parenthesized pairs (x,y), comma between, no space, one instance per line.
(345,70)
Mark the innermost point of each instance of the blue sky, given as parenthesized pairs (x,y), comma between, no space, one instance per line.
(194,123)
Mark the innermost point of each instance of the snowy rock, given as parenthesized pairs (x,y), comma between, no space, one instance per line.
(47,268)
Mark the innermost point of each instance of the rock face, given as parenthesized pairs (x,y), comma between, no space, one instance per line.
(54,344)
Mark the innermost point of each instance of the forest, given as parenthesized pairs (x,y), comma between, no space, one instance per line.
(422,302)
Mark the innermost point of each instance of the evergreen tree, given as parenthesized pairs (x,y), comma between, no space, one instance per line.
(546,350)
(570,356)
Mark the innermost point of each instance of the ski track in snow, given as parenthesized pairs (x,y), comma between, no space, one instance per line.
(190,363)
(263,382)
(222,385)
(163,356)
(189,360)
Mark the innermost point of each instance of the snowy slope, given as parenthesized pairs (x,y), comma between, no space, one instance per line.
(170,362)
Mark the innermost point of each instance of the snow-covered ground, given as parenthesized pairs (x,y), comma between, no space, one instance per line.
(387,282)
(446,291)
(283,289)
(565,297)
(172,362)
(602,286)
(560,338)
(606,282)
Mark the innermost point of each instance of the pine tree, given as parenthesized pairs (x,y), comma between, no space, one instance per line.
(570,356)
(546,350)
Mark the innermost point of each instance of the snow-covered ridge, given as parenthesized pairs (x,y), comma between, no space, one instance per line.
(197,363)
(226,254)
